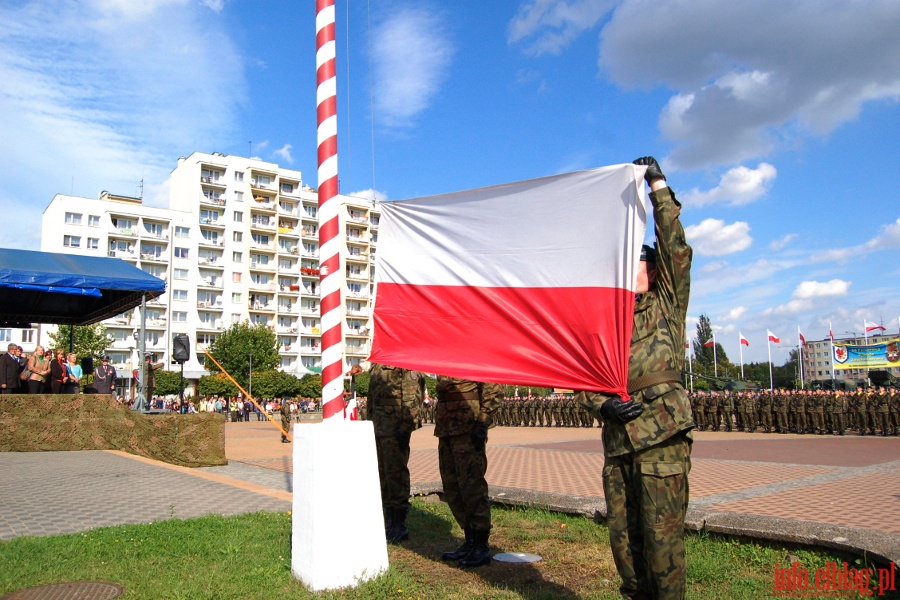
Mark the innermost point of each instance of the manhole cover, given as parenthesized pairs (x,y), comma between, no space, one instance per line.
(72,590)
(512,557)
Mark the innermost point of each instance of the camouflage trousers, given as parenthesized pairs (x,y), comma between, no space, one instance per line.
(393,471)
(463,467)
(647,497)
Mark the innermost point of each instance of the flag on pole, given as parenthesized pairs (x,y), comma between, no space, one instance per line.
(802,339)
(872,327)
(525,283)
(830,332)
(772,337)
(744,341)
(710,343)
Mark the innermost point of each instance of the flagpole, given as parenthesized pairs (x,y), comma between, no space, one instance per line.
(691,369)
(800,355)
(329,246)
(769,348)
(741,349)
(715,358)
(831,335)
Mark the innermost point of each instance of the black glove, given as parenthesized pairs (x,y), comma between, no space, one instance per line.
(653,170)
(479,434)
(616,410)
(402,436)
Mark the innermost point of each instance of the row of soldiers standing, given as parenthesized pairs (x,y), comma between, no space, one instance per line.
(869,412)
(535,411)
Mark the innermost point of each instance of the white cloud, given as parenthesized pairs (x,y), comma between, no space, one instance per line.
(807,294)
(411,53)
(285,153)
(747,73)
(369,194)
(737,186)
(889,237)
(735,313)
(548,26)
(782,243)
(103,93)
(712,237)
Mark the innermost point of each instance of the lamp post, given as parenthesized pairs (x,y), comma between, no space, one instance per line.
(250,384)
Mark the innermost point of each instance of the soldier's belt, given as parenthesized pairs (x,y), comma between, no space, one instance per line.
(458,397)
(650,379)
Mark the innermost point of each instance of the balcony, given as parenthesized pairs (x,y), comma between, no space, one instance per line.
(155,235)
(126,254)
(211,261)
(152,257)
(123,232)
(217,223)
(263,204)
(263,224)
(215,242)
(211,200)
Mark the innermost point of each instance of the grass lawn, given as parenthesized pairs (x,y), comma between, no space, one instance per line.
(249,556)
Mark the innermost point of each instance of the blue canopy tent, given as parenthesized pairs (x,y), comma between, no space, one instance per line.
(46,287)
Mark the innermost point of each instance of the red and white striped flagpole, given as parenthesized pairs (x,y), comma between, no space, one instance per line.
(329,243)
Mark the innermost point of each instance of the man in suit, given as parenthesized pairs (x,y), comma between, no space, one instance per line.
(9,370)
(105,377)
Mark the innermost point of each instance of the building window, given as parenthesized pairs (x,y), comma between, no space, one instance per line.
(93,221)
(236,277)
(238,175)
(179,316)
(180,273)
(5,335)
(181,252)
(239,196)
(209,216)
(238,216)
(179,294)
(238,236)
(72,241)
(235,318)
(287,188)
(93,243)
(73,218)
(237,257)
(27,336)
(235,298)
(182,232)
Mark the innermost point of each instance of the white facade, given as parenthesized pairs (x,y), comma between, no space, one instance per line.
(239,242)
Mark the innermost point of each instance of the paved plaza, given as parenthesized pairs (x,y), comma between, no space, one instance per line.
(840,492)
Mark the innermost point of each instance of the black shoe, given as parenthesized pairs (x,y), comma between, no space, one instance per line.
(398,531)
(463,550)
(388,520)
(480,553)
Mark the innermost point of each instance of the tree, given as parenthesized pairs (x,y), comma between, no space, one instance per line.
(216,385)
(274,384)
(168,383)
(235,346)
(361,382)
(89,340)
(311,386)
(705,358)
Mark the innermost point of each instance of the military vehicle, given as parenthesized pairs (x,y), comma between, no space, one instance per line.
(847,385)
(884,379)
(726,384)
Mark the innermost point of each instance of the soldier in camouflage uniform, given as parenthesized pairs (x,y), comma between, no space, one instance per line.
(780,408)
(815,406)
(647,441)
(883,411)
(465,412)
(838,412)
(872,407)
(395,397)
(695,399)
(764,401)
(726,409)
(895,411)
(749,405)
(712,411)
(285,420)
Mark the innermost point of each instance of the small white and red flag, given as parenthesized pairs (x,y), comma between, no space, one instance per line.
(830,331)
(802,339)
(772,337)
(873,327)
(710,343)
(744,341)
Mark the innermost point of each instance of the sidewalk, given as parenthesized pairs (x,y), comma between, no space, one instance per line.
(840,492)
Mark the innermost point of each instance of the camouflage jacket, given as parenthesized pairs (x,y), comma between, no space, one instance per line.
(395,398)
(657,339)
(462,403)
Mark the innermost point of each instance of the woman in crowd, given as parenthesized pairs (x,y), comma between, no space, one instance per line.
(73,369)
(40,371)
(59,375)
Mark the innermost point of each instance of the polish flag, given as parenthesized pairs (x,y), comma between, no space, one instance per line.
(802,339)
(528,283)
(710,343)
(772,337)
(872,327)
(744,340)
(830,331)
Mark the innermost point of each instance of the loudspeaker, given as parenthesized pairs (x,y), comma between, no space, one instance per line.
(181,347)
(87,365)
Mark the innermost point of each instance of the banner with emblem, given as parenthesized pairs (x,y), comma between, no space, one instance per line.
(874,356)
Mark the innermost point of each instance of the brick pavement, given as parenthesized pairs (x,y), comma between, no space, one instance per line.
(826,490)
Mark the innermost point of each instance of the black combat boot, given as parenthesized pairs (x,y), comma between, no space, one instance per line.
(480,553)
(463,550)
(398,532)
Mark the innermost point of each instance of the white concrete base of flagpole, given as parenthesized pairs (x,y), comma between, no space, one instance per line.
(337,524)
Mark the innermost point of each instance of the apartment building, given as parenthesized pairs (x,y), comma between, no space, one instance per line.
(238,242)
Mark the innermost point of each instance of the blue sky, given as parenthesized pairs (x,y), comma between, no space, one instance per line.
(776,121)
